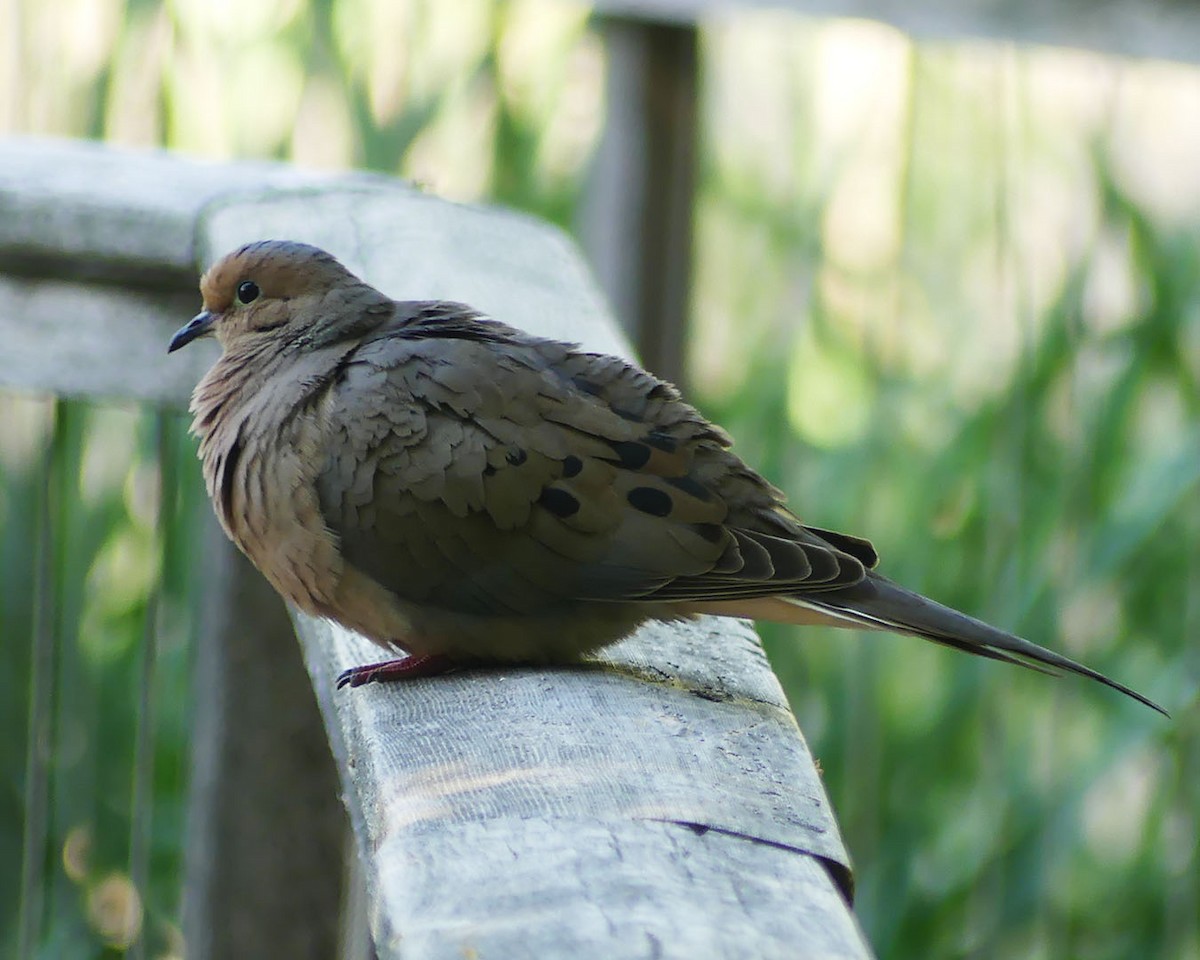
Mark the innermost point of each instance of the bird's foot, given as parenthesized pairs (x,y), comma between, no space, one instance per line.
(404,668)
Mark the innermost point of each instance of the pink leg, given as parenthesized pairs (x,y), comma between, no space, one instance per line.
(405,668)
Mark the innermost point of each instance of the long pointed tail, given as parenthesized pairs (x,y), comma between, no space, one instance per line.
(879,603)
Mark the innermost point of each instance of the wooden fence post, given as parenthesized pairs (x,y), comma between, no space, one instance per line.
(637,217)
(266,830)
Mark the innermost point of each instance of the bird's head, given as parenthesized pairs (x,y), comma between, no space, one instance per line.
(279,292)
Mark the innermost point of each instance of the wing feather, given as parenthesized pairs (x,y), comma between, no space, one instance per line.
(485,470)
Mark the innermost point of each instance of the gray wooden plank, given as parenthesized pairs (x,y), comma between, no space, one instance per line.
(542,888)
(1141,28)
(659,803)
(122,209)
(683,725)
(94,340)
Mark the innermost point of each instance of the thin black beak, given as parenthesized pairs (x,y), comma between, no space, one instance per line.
(199,326)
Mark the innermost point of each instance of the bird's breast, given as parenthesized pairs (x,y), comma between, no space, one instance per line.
(260,461)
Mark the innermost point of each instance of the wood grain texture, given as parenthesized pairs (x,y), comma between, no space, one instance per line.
(616,889)
(658,803)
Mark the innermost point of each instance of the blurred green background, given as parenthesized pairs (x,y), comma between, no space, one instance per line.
(946,295)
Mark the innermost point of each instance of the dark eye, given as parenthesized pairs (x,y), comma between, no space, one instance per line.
(247,291)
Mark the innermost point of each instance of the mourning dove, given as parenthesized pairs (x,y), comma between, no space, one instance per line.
(456,489)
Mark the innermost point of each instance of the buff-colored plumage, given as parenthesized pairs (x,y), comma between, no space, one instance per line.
(452,487)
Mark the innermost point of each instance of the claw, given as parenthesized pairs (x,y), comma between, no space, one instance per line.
(404,668)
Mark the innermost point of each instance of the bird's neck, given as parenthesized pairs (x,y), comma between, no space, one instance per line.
(232,381)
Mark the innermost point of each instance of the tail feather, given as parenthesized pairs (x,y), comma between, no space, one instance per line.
(878,603)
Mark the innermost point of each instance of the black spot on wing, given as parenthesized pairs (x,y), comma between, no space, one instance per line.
(572,465)
(516,456)
(630,454)
(559,502)
(650,500)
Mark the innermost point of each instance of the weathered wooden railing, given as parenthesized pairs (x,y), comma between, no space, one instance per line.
(659,803)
